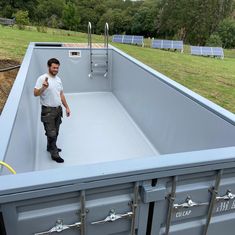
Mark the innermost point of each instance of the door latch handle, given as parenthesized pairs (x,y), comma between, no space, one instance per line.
(228,196)
(59,227)
(189,203)
(113,217)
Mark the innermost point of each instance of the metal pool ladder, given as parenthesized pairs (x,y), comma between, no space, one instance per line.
(99,61)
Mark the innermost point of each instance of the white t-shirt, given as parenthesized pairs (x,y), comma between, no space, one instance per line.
(51,96)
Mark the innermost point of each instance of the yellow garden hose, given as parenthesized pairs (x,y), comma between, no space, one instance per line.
(8,167)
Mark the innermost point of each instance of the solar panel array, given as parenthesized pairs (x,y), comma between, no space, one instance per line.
(207,51)
(5,21)
(129,39)
(168,44)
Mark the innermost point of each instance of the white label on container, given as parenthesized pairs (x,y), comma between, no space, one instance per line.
(223,206)
(180,214)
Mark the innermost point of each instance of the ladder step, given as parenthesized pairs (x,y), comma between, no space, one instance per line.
(99,64)
(92,74)
(104,55)
(99,72)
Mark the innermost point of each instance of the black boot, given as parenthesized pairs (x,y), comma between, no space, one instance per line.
(56,157)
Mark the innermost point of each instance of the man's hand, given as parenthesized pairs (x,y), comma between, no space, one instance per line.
(45,84)
(68,112)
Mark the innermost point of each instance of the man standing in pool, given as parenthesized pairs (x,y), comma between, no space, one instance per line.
(49,88)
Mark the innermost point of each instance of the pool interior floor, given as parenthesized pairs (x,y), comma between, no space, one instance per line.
(98,130)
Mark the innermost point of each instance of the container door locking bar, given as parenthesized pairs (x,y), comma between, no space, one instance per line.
(228,196)
(214,192)
(132,214)
(171,199)
(59,226)
(189,203)
(113,217)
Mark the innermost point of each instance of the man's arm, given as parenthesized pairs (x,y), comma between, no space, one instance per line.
(64,102)
(45,84)
(38,92)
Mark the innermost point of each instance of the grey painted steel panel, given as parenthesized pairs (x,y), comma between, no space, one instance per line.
(191,220)
(22,143)
(176,123)
(33,216)
(74,71)
(98,128)
(8,115)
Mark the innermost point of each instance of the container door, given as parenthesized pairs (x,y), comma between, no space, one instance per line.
(198,204)
(101,211)
(46,215)
(113,211)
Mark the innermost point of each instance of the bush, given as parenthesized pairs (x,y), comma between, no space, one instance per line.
(22,18)
(214,41)
(54,22)
(226,31)
(41,29)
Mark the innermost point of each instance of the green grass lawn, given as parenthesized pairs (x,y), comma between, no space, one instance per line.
(211,78)
(14,42)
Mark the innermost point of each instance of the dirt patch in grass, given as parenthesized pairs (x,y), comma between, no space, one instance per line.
(6,80)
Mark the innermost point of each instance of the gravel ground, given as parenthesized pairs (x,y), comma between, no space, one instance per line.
(6,80)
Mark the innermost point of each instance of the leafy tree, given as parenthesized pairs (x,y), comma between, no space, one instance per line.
(115,20)
(193,21)
(70,16)
(46,9)
(226,31)
(22,18)
(143,22)
(214,40)
(9,7)
(7,11)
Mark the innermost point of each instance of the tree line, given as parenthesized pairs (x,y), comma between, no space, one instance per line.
(201,22)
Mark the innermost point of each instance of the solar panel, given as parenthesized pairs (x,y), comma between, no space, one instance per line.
(157,43)
(168,44)
(118,38)
(138,40)
(5,21)
(178,45)
(195,50)
(128,39)
(207,51)
(218,51)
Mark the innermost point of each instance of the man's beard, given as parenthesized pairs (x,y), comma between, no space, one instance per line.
(53,73)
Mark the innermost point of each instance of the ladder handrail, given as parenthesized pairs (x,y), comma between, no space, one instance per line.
(90,44)
(106,35)
(89,34)
(106,44)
